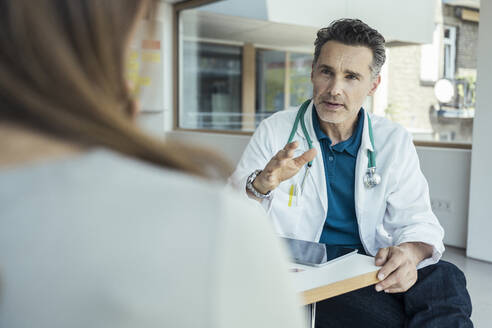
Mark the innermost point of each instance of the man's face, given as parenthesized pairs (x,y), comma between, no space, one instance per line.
(341,81)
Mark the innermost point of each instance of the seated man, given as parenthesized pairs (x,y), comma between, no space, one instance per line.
(323,185)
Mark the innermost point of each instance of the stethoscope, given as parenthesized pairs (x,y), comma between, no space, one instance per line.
(371,179)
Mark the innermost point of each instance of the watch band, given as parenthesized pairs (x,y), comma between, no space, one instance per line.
(250,187)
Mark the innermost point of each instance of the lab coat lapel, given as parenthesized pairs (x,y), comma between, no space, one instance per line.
(317,174)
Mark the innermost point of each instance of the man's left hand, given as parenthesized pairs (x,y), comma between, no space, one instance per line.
(399,271)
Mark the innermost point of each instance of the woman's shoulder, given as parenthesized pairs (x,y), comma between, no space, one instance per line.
(101,178)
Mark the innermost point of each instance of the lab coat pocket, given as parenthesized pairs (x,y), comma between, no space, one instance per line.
(290,206)
(294,196)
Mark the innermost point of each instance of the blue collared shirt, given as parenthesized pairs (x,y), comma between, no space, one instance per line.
(340,226)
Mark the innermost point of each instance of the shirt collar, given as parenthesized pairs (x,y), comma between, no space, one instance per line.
(352,144)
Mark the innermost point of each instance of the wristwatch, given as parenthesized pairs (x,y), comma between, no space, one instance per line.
(250,187)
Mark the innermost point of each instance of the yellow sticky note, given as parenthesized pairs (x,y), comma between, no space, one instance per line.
(133,55)
(151,57)
(144,80)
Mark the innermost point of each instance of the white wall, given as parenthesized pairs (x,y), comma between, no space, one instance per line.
(230,146)
(158,122)
(448,174)
(166,17)
(152,123)
(480,218)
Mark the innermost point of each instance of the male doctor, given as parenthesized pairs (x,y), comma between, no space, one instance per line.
(360,185)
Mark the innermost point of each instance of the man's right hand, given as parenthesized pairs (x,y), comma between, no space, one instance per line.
(282,167)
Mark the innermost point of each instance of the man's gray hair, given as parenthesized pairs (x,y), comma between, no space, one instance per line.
(353,32)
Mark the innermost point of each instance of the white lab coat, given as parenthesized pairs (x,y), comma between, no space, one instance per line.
(398,210)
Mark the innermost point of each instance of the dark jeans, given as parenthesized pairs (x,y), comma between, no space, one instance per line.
(438,299)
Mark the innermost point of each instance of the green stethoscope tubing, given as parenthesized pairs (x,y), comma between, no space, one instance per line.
(300,117)
(371,164)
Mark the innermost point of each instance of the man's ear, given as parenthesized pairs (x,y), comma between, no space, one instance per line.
(374,85)
(312,71)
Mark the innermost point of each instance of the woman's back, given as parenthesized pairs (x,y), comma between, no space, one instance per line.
(101,240)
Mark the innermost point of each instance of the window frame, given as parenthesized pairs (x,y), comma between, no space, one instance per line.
(177,8)
(288,54)
(212,43)
(449,66)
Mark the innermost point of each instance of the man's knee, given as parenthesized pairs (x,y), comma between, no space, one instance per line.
(439,298)
(452,270)
(447,280)
(447,272)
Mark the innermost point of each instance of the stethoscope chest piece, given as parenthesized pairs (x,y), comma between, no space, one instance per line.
(371,179)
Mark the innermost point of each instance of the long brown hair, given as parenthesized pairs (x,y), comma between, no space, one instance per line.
(62,71)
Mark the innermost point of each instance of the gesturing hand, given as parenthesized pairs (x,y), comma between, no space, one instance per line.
(281,167)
